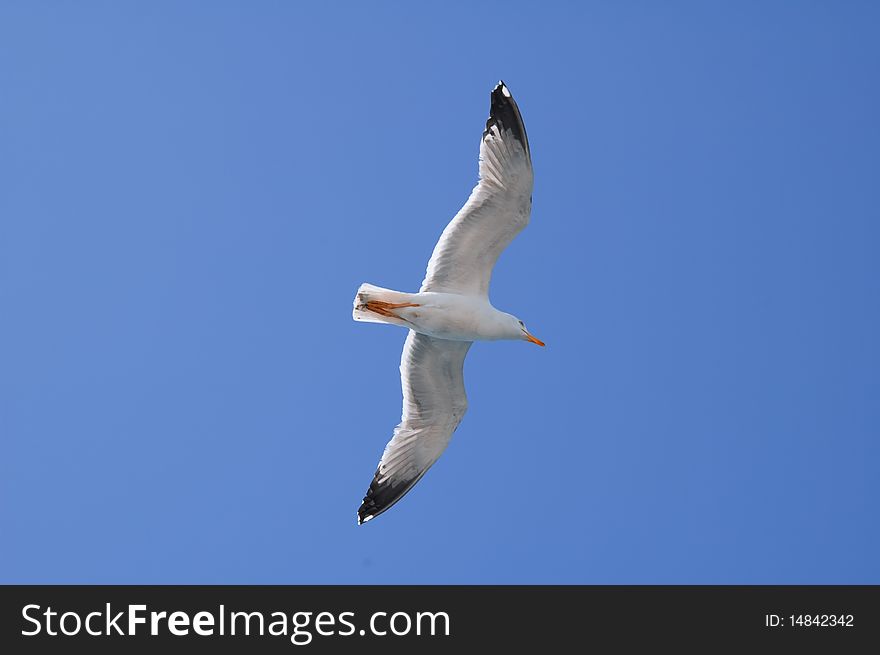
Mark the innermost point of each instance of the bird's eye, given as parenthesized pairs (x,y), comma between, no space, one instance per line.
(521,324)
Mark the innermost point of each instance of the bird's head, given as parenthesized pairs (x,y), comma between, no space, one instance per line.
(519,329)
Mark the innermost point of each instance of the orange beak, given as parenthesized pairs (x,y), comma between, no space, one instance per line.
(529,337)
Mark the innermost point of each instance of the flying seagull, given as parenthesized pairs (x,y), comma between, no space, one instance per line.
(452,308)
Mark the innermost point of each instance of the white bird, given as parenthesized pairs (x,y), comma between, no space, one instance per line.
(452,308)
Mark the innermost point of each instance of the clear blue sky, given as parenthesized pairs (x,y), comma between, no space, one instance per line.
(191,195)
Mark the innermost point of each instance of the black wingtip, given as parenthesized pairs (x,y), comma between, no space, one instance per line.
(505,114)
(382,495)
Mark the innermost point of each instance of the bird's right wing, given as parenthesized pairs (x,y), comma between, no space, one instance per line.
(496,211)
(434,403)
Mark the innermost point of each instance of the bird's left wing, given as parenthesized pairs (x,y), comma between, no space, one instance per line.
(434,402)
(496,211)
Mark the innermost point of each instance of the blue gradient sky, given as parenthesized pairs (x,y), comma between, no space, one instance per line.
(191,196)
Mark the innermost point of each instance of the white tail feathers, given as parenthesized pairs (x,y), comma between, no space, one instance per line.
(369,294)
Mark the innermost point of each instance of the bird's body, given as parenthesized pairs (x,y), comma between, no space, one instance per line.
(452,308)
(452,316)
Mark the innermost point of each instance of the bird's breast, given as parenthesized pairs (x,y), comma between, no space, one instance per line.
(450,316)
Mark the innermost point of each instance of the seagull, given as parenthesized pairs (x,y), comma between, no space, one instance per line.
(452,308)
